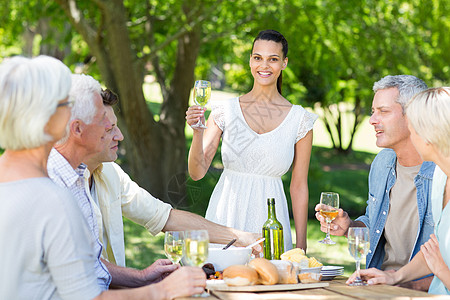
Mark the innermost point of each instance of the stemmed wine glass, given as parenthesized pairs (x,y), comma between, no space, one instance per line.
(196,243)
(329,206)
(173,245)
(202,93)
(358,246)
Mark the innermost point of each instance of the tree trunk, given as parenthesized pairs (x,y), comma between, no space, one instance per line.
(155,151)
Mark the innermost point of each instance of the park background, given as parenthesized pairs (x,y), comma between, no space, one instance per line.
(150,53)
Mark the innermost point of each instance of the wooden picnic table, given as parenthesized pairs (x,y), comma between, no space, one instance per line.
(336,290)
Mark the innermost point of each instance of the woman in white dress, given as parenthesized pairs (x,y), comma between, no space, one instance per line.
(429,123)
(263,135)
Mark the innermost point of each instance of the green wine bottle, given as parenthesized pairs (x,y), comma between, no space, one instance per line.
(273,232)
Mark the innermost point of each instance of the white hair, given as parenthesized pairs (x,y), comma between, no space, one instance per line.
(429,114)
(82,93)
(407,86)
(30,89)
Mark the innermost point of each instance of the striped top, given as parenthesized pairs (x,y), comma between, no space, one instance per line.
(62,173)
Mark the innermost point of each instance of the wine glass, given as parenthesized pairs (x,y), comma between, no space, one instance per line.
(329,206)
(202,93)
(358,246)
(196,243)
(173,245)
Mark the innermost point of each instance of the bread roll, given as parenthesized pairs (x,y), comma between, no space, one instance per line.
(268,273)
(309,277)
(287,272)
(239,275)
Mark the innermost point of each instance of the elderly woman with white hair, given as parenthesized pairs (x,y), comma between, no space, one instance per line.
(46,246)
(429,123)
(44,253)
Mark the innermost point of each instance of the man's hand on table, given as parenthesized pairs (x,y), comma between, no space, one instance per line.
(375,276)
(157,271)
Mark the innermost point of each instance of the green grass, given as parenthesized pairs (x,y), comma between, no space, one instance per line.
(142,248)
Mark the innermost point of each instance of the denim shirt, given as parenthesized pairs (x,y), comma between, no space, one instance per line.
(382,177)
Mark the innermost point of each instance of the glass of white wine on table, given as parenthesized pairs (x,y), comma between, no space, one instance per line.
(196,244)
(358,246)
(329,206)
(173,245)
(202,93)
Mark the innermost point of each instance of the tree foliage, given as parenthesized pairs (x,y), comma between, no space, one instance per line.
(337,51)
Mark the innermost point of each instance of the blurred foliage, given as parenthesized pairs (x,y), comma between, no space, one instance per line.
(337,50)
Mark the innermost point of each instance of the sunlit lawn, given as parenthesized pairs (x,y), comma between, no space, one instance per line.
(142,249)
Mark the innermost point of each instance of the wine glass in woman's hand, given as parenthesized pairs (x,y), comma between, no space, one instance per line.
(202,93)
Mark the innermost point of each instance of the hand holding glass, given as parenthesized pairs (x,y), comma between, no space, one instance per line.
(329,206)
(358,246)
(202,93)
(173,245)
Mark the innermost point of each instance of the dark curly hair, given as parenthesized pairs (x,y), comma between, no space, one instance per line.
(109,97)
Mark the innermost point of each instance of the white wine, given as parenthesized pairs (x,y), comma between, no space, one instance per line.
(329,215)
(196,252)
(358,249)
(174,252)
(202,95)
(273,233)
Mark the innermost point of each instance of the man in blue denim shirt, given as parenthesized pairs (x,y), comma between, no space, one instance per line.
(398,212)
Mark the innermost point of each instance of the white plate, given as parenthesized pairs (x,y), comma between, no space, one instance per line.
(326,275)
(332,268)
(329,274)
(214,281)
(335,271)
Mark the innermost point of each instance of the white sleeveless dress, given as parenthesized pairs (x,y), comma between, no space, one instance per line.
(253,166)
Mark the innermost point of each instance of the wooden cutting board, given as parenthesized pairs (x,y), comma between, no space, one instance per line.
(219,285)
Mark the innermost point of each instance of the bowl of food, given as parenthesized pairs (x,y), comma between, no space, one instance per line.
(222,259)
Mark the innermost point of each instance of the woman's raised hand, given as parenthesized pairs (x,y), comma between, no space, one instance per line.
(194,114)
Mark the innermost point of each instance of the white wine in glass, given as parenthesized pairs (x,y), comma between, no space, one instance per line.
(173,245)
(202,93)
(358,246)
(329,206)
(196,244)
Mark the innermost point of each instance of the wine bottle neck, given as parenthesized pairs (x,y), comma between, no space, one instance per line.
(271,209)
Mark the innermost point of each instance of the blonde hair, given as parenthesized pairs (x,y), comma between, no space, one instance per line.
(30,89)
(429,114)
